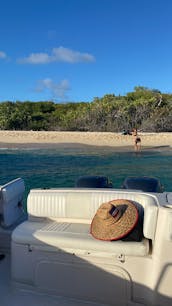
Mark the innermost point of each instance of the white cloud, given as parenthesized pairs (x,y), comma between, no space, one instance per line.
(60,54)
(2,55)
(66,55)
(37,58)
(57,90)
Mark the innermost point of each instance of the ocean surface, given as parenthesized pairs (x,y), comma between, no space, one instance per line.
(61,166)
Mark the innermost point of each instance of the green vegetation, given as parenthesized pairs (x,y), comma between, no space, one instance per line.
(144,108)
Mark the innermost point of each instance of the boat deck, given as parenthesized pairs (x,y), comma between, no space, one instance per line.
(12,296)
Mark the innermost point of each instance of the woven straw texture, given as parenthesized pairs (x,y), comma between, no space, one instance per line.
(106,227)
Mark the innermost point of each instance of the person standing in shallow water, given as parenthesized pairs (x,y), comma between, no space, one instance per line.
(137,140)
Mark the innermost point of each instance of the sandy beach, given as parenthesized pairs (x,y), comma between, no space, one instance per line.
(13,139)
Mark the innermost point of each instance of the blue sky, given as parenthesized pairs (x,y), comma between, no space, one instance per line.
(76,50)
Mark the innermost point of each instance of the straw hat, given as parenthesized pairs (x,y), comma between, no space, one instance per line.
(114,220)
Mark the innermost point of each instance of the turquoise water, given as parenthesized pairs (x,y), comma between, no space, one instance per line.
(60,167)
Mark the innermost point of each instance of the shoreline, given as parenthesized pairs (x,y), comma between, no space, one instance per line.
(53,139)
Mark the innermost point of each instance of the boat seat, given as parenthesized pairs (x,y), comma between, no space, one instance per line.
(59,220)
(53,250)
(73,238)
(82,204)
(11,202)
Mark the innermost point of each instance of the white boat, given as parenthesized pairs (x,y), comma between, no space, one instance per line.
(52,259)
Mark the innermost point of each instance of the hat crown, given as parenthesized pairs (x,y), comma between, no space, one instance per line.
(108,210)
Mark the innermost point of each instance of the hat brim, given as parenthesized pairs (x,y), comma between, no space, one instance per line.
(108,229)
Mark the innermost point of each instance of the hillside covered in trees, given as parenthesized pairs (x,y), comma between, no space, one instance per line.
(146,109)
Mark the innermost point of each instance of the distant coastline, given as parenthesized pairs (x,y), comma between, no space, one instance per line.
(25,139)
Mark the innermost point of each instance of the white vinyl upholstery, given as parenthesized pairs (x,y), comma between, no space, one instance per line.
(73,238)
(83,204)
(11,202)
(53,251)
